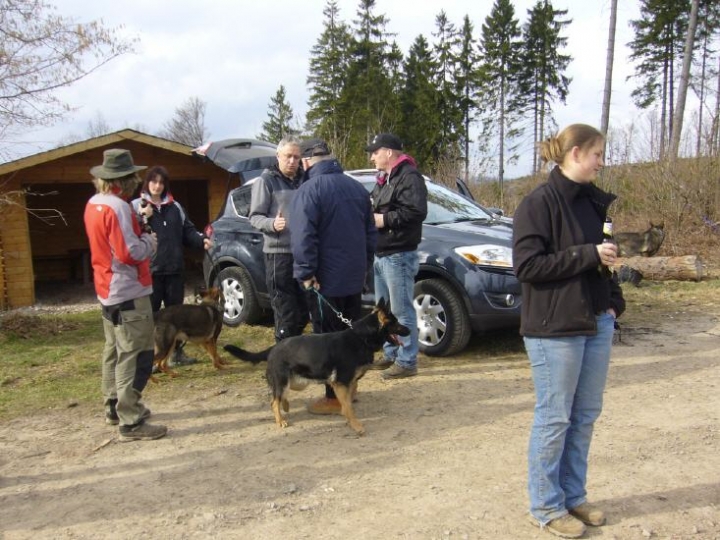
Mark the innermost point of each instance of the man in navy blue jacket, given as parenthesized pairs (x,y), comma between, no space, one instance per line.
(332,235)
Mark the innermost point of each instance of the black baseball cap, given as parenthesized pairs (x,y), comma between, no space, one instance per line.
(384,140)
(314,147)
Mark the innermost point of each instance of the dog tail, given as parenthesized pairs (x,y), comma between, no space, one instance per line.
(247,356)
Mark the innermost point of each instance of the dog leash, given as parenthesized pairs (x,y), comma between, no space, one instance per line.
(323,299)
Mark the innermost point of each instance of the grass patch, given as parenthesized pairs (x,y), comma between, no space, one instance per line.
(53,361)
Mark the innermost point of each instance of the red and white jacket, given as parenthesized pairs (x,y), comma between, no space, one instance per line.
(120,254)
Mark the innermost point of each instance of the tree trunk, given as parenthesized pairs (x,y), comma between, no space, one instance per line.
(605,116)
(677,121)
(687,268)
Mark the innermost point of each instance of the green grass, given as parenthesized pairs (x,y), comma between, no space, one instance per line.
(53,361)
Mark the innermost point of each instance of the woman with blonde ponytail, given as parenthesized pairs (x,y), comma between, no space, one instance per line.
(570,303)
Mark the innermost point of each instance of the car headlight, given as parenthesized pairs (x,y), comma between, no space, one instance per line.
(487,255)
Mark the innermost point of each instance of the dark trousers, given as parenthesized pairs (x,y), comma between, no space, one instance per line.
(168,289)
(324,319)
(286,296)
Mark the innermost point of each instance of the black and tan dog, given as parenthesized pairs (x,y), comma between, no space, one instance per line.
(339,359)
(199,323)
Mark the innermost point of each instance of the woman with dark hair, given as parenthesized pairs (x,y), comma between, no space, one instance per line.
(570,303)
(174,231)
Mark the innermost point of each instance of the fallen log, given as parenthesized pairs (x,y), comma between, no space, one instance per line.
(686,268)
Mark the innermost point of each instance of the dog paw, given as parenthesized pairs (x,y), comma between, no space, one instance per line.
(358,428)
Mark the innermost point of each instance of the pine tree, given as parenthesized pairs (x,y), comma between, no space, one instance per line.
(446,59)
(501,49)
(468,83)
(420,116)
(280,116)
(368,92)
(657,50)
(542,80)
(328,116)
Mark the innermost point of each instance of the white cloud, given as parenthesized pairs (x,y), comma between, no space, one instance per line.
(234,54)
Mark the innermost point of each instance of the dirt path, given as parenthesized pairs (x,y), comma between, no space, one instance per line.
(444,456)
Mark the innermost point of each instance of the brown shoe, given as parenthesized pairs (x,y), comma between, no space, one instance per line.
(324,406)
(565,527)
(381,364)
(589,514)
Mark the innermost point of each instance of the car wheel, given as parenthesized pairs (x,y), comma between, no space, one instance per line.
(241,304)
(443,322)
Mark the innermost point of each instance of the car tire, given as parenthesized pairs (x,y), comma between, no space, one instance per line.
(443,322)
(240,301)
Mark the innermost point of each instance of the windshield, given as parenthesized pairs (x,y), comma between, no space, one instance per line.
(447,206)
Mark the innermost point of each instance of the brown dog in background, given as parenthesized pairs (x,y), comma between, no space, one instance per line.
(199,323)
(644,244)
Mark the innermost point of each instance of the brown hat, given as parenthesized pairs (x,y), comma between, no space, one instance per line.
(116,164)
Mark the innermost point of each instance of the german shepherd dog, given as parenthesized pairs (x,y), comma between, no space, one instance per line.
(339,359)
(645,244)
(199,323)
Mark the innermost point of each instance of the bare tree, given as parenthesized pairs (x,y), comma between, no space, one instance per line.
(605,118)
(41,52)
(188,124)
(684,81)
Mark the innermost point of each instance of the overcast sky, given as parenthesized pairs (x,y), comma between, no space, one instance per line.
(234,55)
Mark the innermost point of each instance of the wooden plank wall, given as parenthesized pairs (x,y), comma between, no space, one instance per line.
(55,247)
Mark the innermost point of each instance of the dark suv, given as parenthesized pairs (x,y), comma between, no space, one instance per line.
(465,281)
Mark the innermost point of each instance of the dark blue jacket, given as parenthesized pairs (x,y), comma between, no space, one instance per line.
(332,230)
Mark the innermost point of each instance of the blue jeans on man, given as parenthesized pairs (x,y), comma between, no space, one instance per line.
(394,281)
(569,374)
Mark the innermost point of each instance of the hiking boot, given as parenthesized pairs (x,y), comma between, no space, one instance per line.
(381,364)
(142,432)
(325,405)
(589,514)
(565,527)
(398,372)
(112,418)
(181,359)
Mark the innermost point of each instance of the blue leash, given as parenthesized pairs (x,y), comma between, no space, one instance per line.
(322,299)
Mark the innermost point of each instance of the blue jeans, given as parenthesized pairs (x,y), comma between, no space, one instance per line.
(569,375)
(394,281)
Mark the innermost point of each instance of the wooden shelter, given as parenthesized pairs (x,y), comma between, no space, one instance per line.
(37,244)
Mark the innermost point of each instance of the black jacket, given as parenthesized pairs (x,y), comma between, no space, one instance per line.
(554,262)
(402,198)
(174,230)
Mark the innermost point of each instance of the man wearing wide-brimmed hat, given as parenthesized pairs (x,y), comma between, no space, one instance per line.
(120,255)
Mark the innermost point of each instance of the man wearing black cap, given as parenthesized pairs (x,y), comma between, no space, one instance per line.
(333,240)
(400,206)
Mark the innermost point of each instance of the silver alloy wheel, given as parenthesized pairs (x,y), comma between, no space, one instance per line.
(431,319)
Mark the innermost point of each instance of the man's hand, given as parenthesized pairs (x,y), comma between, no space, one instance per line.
(311,283)
(207,243)
(379,221)
(279,222)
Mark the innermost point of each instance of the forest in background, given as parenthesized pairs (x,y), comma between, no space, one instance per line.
(467,100)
